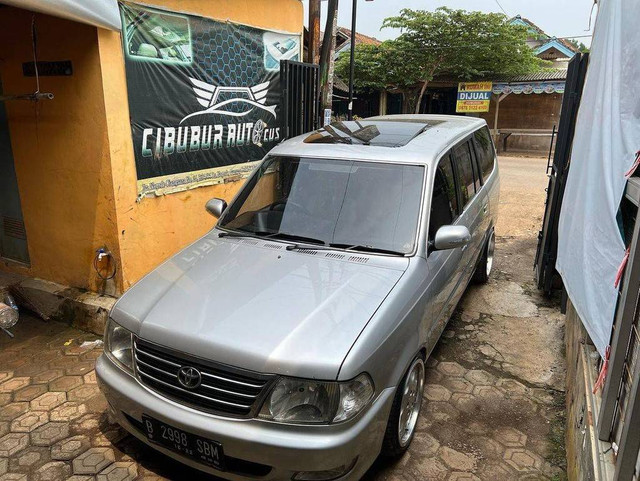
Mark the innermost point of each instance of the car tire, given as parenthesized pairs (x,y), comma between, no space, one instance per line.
(483,270)
(405,411)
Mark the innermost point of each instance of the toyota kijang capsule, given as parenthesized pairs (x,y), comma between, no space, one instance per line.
(290,341)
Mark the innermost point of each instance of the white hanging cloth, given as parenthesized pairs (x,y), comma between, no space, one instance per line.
(590,246)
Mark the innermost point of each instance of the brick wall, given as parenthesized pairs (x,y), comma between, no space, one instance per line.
(534,111)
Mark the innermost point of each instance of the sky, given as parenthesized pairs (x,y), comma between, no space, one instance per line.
(559,18)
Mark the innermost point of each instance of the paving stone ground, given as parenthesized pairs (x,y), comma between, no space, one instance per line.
(493,404)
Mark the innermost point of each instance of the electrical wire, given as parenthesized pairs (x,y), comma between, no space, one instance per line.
(503,10)
(97,269)
(34,45)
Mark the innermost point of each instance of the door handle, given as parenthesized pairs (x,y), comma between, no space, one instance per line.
(484,208)
(464,247)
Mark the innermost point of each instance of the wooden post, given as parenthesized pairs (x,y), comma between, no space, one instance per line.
(495,120)
(496,134)
(383,103)
(327,60)
(313,52)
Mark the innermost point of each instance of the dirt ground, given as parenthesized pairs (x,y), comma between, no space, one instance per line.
(495,395)
(493,407)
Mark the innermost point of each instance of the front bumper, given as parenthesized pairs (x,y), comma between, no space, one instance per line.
(256,449)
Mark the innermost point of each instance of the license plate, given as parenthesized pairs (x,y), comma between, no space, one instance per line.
(195,447)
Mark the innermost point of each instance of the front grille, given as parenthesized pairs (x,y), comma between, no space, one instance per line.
(224,390)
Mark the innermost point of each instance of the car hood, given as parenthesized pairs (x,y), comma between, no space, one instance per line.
(252,304)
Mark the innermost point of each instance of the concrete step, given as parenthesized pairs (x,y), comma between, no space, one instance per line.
(81,309)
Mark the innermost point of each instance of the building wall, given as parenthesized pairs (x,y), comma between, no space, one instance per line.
(155,228)
(74,155)
(588,458)
(534,111)
(60,148)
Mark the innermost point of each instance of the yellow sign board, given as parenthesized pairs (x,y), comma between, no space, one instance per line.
(474,96)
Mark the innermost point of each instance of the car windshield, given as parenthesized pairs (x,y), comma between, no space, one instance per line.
(355,205)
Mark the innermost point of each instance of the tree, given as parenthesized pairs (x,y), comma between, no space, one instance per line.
(382,67)
(446,42)
(581,47)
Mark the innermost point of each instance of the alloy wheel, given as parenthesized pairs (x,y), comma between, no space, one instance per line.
(411,402)
(490,249)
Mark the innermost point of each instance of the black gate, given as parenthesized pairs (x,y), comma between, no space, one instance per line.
(300,93)
(545,262)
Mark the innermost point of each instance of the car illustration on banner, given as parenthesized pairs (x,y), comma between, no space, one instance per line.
(277,47)
(209,96)
(154,36)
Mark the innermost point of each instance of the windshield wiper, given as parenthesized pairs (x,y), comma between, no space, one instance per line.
(321,245)
(236,233)
(350,247)
(317,244)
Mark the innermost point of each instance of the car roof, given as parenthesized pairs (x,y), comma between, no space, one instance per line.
(412,139)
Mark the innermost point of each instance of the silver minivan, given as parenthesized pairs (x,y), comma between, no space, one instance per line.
(290,341)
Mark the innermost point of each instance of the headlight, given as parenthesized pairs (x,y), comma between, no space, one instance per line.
(312,402)
(118,344)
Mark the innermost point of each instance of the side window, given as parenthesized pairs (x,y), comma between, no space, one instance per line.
(464,161)
(476,169)
(485,152)
(444,203)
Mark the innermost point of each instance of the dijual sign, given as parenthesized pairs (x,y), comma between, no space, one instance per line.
(474,96)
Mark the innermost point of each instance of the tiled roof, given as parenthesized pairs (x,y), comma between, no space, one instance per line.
(546,74)
(537,29)
(360,38)
(346,33)
(340,84)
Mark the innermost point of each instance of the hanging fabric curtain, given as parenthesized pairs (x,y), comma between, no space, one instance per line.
(590,246)
(100,13)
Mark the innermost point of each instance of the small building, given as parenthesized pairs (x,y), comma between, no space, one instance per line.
(523,111)
(107,175)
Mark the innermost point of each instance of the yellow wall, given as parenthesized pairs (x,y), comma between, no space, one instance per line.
(154,229)
(74,155)
(60,148)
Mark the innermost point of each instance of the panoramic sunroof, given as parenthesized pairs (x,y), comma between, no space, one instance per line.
(375,133)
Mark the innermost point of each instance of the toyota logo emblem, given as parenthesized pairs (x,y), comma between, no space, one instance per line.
(189,377)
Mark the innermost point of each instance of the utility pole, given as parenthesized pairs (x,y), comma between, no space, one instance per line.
(327,60)
(313,52)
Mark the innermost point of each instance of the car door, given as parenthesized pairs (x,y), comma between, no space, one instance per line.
(472,215)
(443,266)
(487,166)
(482,196)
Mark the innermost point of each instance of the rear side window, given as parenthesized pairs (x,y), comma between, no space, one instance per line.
(464,161)
(444,203)
(484,150)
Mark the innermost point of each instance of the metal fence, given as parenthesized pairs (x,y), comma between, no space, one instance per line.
(545,260)
(300,93)
(619,417)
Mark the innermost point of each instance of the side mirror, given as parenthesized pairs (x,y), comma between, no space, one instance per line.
(216,207)
(451,237)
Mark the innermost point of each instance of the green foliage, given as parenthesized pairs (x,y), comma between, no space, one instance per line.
(380,66)
(579,45)
(454,43)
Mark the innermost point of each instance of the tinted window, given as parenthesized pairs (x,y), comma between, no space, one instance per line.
(476,172)
(444,202)
(464,161)
(345,203)
(484,151)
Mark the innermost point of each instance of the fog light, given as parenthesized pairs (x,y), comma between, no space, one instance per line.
(327,475)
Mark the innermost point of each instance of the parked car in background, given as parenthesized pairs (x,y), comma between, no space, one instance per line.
(290,341)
